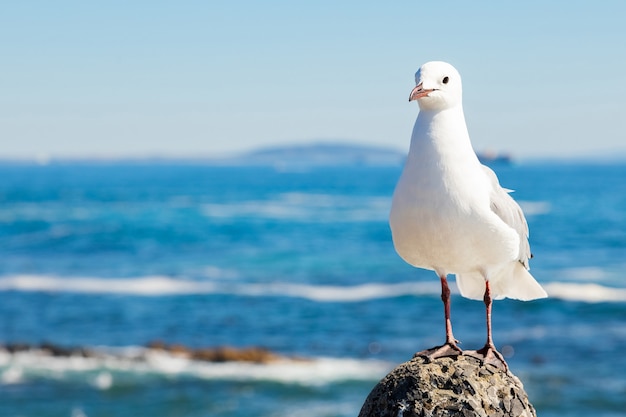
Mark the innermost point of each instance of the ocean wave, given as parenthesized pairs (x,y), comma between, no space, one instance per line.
(163,285)
(135,365)
(147,286)
(588,274)
(588,293)
(310,207)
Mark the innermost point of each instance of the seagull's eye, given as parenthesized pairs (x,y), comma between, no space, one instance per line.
(445,80)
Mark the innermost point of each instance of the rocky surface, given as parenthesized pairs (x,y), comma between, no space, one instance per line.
(208,354)
(220,353)
(449,386)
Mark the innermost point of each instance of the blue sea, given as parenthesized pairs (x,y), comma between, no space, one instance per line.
(297,260)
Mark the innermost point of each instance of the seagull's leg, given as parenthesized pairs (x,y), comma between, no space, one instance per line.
(450,348)
(445,297)
(489,353)
(488,302)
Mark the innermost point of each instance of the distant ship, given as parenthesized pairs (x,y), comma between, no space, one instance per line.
(343,154)
(494,158)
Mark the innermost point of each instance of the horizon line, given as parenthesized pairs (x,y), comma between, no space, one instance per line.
(44,158)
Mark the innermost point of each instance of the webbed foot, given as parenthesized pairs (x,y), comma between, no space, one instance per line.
(449,349)
(489,355)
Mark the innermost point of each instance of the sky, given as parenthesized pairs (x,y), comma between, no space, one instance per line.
(209,78)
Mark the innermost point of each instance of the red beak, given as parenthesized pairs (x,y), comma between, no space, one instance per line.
(419,92)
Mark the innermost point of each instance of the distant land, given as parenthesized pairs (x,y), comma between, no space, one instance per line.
(287,156)
(280,156)
(322,154)
(293,156)
(339,154)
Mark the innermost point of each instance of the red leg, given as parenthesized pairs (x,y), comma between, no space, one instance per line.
(445,297)
(489,352)
(488,303)
(450,348)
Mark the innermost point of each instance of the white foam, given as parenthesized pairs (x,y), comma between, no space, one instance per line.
(330,293)
(11,375)
(306,207)
(103,381)
(589,273)
(48,212)
(316,372)
(161,285)
(101,370)
(149,285)
(589,293)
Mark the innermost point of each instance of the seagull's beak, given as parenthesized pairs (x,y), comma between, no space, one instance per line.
(419,92)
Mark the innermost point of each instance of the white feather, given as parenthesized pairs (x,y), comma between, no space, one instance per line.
(449,212)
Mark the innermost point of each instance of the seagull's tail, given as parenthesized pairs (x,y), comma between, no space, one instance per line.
(512,281)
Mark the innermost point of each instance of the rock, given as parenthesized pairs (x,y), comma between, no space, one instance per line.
(230,354)
(59,351)
(157,345)
(210,354)
(180,350)
(219,354)
(450,386)
(16,347)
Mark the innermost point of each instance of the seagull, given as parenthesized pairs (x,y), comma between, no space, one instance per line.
(450,215)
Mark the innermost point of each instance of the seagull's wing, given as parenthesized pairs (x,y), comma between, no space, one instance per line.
(511,213)
(512,280)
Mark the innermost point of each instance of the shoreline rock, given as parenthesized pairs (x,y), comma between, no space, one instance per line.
(219,353)
(252,354)
(449,386)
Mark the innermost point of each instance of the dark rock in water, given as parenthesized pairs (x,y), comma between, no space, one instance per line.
(16,347)
(228,354)
(450,386)
(46,348)
(209,354)
(56,350)
(220,353)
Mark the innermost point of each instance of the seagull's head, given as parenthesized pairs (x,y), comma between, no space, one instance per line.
(438,86)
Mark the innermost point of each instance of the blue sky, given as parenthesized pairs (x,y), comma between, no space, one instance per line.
(151,78)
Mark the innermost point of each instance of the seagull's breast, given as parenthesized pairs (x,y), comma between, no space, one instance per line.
(441,218)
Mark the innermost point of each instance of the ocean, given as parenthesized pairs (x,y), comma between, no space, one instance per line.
(298,260)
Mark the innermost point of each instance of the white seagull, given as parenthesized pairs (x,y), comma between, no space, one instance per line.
(449,213)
